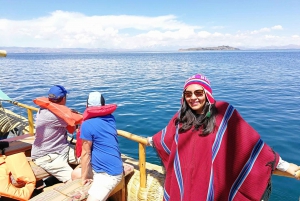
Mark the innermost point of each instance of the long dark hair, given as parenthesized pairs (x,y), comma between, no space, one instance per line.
(188,118)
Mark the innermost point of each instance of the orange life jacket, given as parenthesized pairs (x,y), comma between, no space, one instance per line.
(90,112)
(17,166)
(62,111)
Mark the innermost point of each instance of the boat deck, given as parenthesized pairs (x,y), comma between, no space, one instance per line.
(153,190)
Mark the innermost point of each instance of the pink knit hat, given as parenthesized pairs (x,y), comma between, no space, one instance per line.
(202,81)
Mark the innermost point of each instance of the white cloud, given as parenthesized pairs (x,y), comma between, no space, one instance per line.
(260,31)
(218,27)
(271,37)
(266,29)
(204,34)
(277,27)
(70,29)
(216,34)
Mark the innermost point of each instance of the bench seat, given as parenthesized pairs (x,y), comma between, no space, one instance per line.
(75,191)
(38,172)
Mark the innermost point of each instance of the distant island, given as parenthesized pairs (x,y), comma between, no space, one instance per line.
(42,50)
(223,47)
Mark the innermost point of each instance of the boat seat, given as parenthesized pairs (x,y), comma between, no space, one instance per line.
(75,191)
(38,172)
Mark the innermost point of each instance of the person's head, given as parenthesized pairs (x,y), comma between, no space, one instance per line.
(198,106)
(58,94)
(197,92)
(95,99)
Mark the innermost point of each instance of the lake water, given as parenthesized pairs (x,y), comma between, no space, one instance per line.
(262,85)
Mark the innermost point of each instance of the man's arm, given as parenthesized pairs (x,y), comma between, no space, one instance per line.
(86,168)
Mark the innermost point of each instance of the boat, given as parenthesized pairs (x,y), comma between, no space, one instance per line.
(145,182)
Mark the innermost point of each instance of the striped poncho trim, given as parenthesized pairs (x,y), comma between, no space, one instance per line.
(216,147)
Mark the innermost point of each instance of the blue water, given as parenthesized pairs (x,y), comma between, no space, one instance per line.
(262,85)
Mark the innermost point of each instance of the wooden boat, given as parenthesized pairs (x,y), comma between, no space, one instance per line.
(145,182)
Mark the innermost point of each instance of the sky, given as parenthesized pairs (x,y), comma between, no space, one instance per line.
(149,24)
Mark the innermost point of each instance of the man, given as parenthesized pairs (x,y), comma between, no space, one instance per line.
(50,147)
(100,148)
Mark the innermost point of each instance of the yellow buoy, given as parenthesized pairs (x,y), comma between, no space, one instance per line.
(2,53)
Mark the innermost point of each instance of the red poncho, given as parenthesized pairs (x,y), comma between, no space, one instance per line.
(232,163)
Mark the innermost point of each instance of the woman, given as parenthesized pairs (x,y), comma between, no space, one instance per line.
(211,153)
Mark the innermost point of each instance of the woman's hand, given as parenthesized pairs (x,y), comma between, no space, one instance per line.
(150,141)
(294,170)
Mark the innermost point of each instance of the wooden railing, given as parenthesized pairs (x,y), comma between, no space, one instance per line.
(141,140)
(30,110)
(142,153)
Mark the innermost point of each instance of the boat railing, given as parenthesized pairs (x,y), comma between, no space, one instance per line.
(30,111)
(142,154)
(141,140)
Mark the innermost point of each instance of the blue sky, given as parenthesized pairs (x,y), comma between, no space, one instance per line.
(149,25)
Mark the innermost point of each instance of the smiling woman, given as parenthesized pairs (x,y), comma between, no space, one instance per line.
(2,53)
(211,132)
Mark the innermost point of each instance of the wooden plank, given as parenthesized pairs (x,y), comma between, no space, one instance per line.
(285,174)
(17,147)
(18,144)
(52,195)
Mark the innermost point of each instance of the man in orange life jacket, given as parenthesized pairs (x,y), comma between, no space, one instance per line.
(50,147)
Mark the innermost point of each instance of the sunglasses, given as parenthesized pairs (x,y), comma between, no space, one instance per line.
(189,94)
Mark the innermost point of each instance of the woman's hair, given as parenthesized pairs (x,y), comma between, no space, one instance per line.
(204,123)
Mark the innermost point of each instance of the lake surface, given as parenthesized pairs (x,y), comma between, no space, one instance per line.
(262,85)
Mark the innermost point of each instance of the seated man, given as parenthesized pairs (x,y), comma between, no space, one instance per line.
(50,147)
(100,149)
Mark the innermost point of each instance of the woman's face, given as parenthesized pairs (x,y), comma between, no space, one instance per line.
(195,97)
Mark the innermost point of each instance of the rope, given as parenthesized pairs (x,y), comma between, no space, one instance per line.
(9,122)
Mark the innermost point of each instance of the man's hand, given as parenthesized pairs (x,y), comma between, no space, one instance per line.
(86,182)
(75,111)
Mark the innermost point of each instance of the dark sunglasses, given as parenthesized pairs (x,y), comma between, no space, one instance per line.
(189,94)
